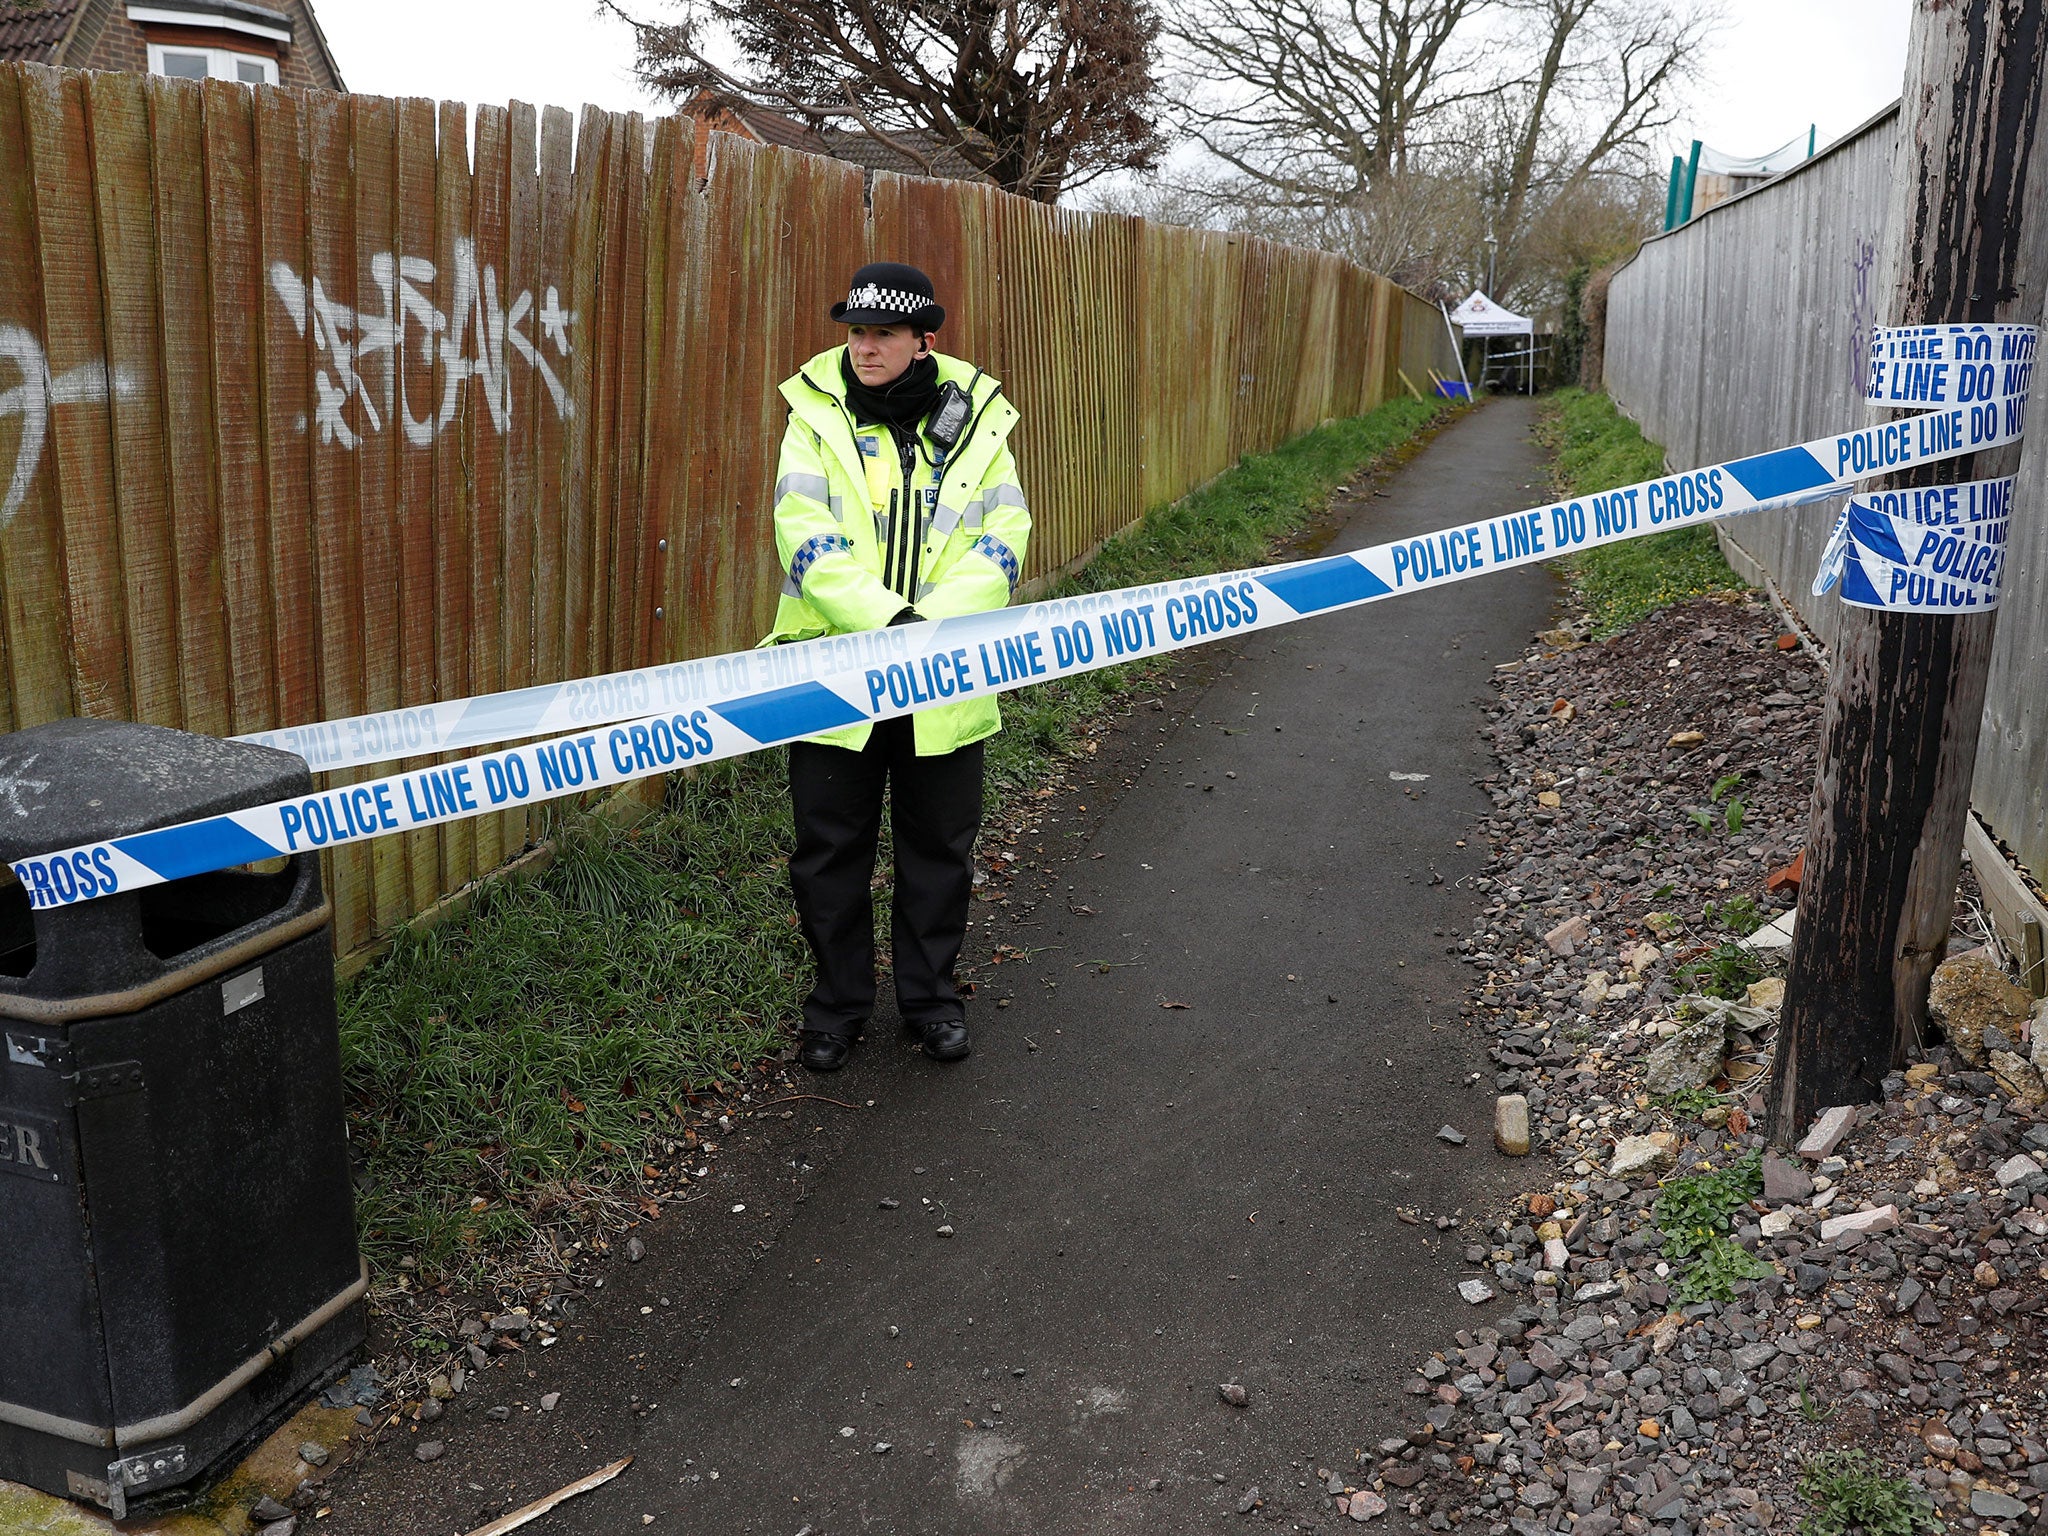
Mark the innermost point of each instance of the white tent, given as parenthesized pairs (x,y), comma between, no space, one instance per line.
(1480,316)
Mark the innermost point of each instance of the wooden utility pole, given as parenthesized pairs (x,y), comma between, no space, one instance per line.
(1906,694)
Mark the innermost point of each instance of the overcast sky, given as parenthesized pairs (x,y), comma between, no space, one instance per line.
(1777,66)
(1781,64)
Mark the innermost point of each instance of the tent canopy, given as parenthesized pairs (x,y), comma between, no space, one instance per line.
(1480,316)
(1783,158)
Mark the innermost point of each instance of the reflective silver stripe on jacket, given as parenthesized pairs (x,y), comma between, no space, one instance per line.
(814,487)
(970,516)
(1004,495)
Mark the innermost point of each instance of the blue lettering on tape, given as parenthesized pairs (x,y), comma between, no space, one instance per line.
(1324,584)
(782,714)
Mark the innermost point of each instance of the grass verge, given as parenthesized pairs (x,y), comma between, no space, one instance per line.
(536,1071)
(1595,448)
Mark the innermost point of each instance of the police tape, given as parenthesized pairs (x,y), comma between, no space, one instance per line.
(1932,549)
(646,721)
(1929,549)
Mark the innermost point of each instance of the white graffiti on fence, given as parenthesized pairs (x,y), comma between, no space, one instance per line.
(470,340)
(33,398)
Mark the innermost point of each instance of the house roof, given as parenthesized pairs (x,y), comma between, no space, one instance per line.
(852,145)
(773,128)
(863,148)
(35,32)
(245,10)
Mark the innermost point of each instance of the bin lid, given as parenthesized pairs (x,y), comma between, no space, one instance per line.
(81,781)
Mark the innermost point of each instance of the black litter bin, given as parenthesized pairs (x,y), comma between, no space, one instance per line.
(178,1263)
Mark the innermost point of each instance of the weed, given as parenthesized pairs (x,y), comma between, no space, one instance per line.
(1691,1209)
(1596,448)
(1740,915)
(1811,1410)
(1688,1103)
(1694,1213)
(1731,813)
(1725,971)
(1715,1271)
(1851,1497)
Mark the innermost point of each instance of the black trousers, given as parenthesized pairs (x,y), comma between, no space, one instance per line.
(935,811)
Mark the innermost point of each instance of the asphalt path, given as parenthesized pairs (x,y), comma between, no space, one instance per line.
(1178,1157)
(1145,1200)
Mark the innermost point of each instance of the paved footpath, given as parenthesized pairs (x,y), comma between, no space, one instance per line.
(1155,1200)
(1145,1201)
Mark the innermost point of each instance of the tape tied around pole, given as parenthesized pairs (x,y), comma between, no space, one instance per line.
(1928,549)
(1933,549)
(1938,548)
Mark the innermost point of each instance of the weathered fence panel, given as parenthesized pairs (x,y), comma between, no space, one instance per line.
(312,404)
(1748,329)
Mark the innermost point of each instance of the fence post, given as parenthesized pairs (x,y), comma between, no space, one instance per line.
(1906,693)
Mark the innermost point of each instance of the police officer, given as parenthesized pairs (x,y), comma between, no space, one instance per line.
(896,500)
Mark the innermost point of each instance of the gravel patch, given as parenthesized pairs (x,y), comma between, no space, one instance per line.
(1885,1292)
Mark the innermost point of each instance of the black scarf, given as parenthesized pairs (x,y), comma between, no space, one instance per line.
(901,404)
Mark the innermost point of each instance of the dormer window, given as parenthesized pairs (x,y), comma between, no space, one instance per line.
(183,63)
(213,39)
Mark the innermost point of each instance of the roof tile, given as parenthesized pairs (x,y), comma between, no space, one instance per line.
(852,145)
(32,33)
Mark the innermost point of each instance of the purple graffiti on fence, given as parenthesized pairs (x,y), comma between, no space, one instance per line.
(1862,314)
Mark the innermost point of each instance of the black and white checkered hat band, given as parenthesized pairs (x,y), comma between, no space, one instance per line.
(893,300)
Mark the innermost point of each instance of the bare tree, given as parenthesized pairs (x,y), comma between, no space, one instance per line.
(1156,201)
(1403,133)
(1041,95)
(1604,85)
(1420,228)
(1323,100)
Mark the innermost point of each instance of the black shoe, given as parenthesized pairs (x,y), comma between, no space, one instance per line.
(946,1040)
(824,1053)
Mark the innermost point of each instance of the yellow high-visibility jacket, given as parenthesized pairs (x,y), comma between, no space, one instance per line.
(839,500)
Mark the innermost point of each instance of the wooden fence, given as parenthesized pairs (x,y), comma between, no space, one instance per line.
(1749,329)
(307,409)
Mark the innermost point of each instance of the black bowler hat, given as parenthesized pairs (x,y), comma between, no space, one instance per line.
(890,293)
